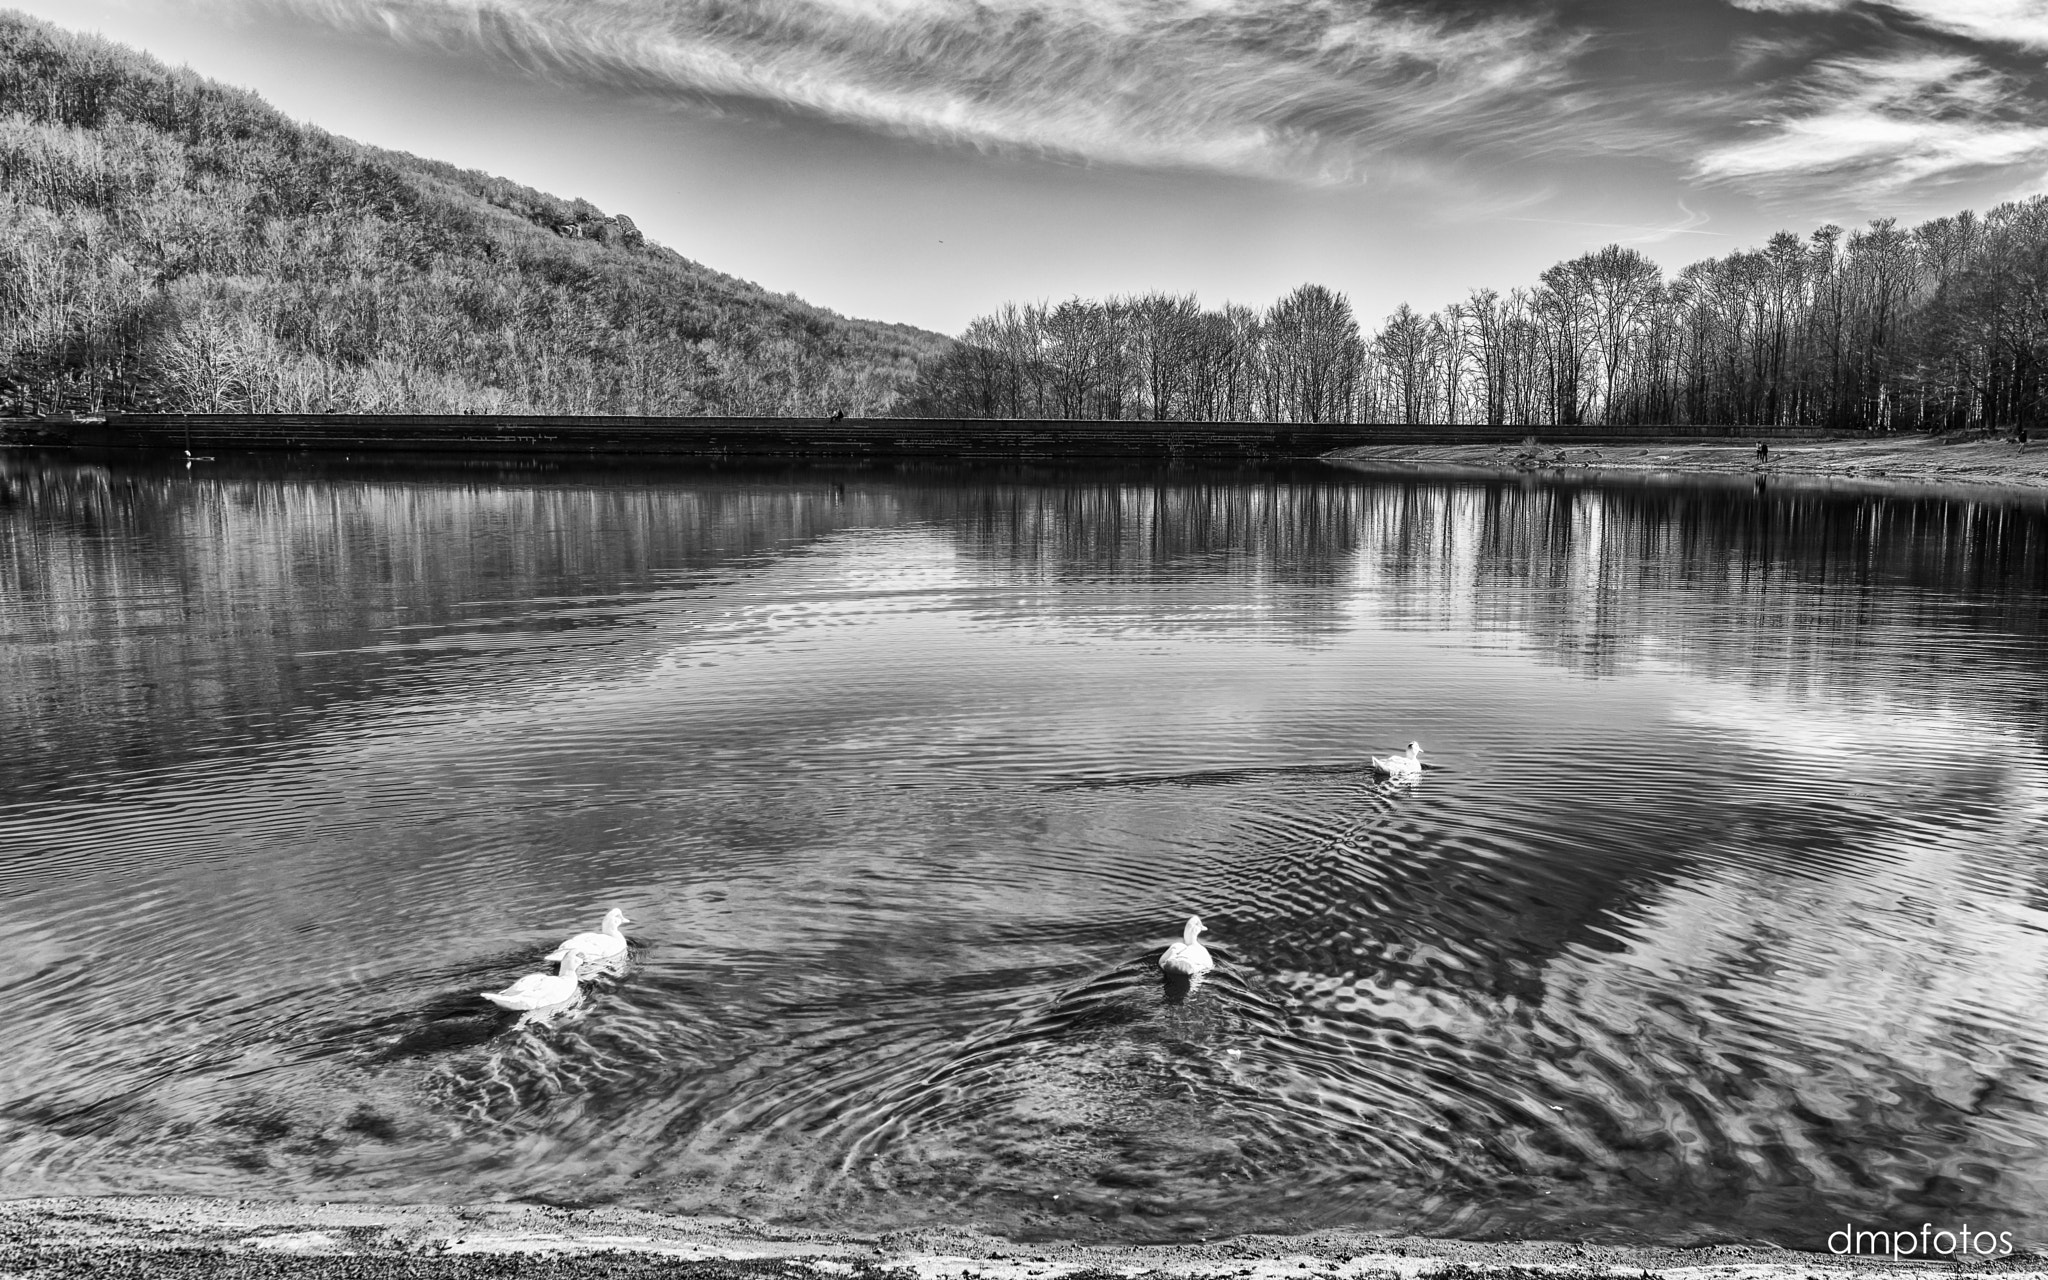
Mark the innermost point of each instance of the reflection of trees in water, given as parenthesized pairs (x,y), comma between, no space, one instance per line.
(147,610)
(1287,532)
(1790,589)
(152,614)
(1279,547)
(1559,943)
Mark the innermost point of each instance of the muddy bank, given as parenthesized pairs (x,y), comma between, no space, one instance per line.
(1931,461)
(187,1236)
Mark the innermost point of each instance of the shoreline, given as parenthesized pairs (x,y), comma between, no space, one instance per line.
(1973,460)
(1881,463)
(198,1236)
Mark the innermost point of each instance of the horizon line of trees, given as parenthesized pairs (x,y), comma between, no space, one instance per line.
(1943,326)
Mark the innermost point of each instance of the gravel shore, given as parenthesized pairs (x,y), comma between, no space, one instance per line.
(1975,460)
(187,1236)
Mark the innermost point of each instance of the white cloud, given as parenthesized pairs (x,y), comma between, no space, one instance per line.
(2015,22)
(1688,223)
(1318,92)
(1792,6)
(1892,123)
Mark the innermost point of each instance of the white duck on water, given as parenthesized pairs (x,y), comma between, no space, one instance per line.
(1408,765)
(539,990)
(1188,956)
(606,944)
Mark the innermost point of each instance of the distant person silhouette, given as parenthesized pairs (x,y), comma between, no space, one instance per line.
(1763,451)
(838,415)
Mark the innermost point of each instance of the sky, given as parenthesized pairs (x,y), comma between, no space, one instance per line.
(926,161)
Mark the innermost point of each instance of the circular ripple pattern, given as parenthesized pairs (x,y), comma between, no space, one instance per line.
(1719,910)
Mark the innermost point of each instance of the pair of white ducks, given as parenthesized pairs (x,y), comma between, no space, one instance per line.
(539,990)
(1188,958)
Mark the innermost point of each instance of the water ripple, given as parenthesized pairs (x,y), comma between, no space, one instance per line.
(1719,909)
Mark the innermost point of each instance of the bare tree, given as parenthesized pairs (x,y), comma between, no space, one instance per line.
(1403,347)
(1314,349)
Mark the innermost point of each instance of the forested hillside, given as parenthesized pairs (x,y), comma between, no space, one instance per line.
(1940,326)
(170,243)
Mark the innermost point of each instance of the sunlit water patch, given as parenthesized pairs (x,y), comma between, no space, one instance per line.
(1720,909)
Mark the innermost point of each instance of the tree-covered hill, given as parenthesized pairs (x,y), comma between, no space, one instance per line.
(170,243)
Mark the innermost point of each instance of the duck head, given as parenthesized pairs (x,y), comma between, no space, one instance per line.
(1414,751)
(1195,926)
(613,919)
(571,961)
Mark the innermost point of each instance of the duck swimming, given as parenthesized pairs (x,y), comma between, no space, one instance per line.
(1401,766)
(1188,956)
(606,944)
(539,990)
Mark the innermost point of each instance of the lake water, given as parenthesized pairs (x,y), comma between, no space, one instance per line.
(1721,911)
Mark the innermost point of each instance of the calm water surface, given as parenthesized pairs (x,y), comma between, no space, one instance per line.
(1721,911)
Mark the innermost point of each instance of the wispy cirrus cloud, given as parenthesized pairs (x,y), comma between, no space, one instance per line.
(1331,91)
(1910,119)
(1771,96)
(1689,223)
(2022,23)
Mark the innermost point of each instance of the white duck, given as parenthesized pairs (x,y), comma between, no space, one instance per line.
(1401,766)
(539,990)
(1188,956)
(606,944)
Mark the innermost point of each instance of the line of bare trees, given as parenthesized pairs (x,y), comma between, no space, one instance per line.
(1941,326)
(1158,356)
